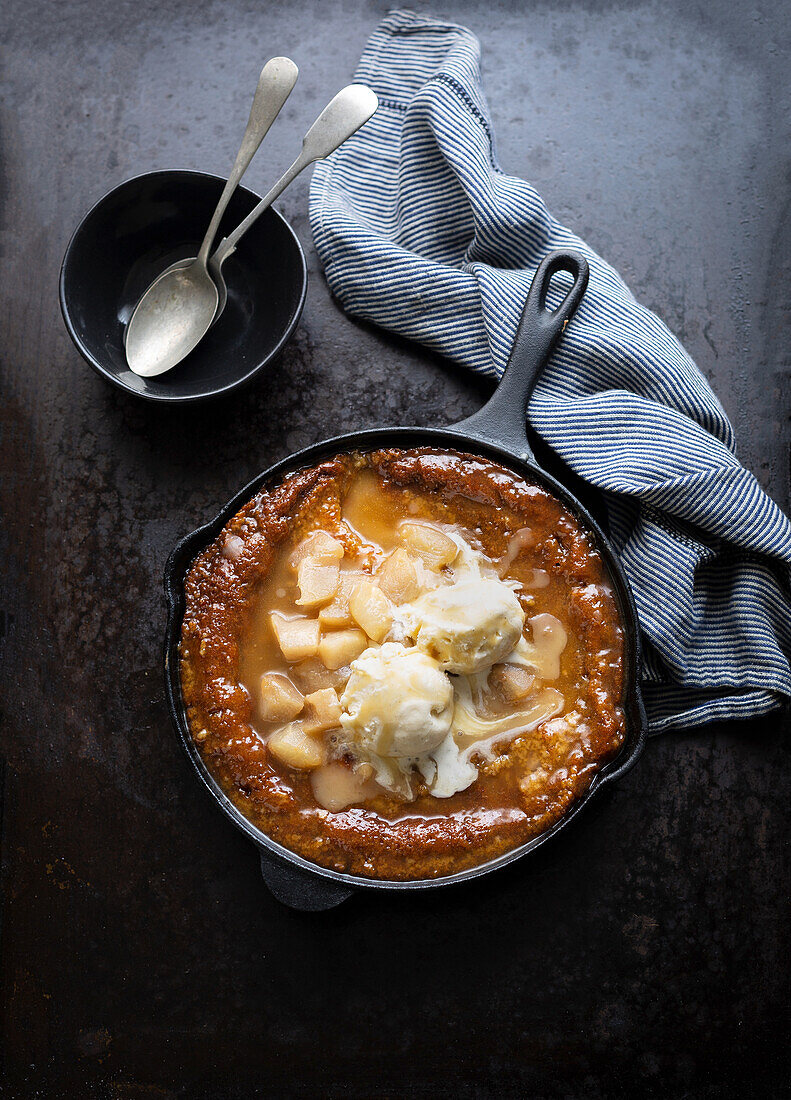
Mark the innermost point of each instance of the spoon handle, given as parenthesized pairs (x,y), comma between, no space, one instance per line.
(275,83)
(343,116)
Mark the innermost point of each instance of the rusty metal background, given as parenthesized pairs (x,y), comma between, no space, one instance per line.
(644,953)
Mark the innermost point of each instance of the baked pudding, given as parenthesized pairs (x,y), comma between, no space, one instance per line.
(401,664)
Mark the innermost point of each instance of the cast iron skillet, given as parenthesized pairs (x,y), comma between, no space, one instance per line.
(498,432)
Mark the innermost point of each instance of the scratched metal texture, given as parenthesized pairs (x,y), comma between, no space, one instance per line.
(647,951)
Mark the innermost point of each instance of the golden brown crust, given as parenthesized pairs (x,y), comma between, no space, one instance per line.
(430,837)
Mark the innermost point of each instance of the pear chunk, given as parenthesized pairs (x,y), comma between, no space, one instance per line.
(319,545)
(336,614)
(341,647)
(280,701)
(371,609)
(317,580)
(291,745)
(397,577)
(313,675)
(322,711)
(297,638)
(335,787)
(510,684)
(429,543)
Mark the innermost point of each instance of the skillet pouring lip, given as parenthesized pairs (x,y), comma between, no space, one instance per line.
(188,548)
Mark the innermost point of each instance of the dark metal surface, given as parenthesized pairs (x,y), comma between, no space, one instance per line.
(646,952)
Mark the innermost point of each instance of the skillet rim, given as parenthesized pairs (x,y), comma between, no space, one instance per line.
(191,545)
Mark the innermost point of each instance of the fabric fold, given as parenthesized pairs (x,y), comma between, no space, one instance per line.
(421,232)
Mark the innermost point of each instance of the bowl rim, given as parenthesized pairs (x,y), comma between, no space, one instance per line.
(165,398)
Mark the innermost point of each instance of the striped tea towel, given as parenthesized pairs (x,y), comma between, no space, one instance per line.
(420,231)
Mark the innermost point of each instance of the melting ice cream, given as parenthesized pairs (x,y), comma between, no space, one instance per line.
(397,702)
(467,627)
(403,711)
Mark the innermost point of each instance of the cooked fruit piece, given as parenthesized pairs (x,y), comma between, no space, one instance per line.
(313,675)
(335,786)
(293,746)
(297,638)
(317,580)
(371,609)
(433,546)
(322,711)
(318,544)
(397,577)
(341,647)
(280,701)
(336,613)
(511,683)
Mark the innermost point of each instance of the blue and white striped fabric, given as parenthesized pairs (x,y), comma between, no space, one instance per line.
(421,232)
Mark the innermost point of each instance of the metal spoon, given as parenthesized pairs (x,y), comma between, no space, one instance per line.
(161,323)
(343,116)
(188,314)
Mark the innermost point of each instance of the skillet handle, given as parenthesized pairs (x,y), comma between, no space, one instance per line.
(298,889)
(502,420)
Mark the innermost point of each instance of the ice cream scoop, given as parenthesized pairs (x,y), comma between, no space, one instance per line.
(397,702)
(466,627)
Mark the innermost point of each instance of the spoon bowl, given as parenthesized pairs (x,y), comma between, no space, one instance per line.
(159,344)
(217,276)
(142,227)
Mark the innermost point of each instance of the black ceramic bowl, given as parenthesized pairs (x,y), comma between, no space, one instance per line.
(133,234)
